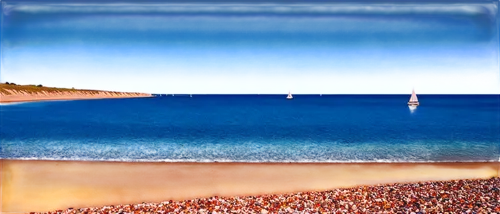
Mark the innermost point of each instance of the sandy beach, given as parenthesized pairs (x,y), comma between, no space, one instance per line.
(25,97)
(51,185)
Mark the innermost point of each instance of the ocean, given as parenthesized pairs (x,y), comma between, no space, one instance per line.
(255,128)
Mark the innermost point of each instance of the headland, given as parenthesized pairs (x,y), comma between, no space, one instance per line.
(10,93)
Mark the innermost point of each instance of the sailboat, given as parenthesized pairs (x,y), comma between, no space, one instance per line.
(413,100)
(289,97)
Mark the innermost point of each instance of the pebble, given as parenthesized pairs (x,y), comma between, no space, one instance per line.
(456,196)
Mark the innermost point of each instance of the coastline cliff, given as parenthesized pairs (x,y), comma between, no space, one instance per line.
(10,92)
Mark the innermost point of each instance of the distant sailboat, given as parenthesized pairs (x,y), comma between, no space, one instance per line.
(413,100)
(289,97)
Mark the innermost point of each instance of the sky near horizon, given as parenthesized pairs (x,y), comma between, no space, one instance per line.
(254,48)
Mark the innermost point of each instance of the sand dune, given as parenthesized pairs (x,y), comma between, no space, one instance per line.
(20,95)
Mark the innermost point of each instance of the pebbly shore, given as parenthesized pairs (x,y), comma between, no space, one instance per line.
(456,196)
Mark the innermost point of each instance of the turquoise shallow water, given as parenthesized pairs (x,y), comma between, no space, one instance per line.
(256,128)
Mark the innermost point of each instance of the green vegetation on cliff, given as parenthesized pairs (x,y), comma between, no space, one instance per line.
(33,89)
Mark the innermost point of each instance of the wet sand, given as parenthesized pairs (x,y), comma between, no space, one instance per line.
(51,185)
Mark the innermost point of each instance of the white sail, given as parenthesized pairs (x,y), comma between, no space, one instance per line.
(289,95)
(413,97)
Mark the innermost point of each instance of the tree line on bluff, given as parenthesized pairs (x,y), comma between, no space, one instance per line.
(11,83)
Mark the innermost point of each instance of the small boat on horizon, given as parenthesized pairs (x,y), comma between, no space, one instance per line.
(289,97)
(413,103)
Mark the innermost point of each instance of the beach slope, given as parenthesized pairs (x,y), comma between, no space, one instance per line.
(51,185)
(26,93)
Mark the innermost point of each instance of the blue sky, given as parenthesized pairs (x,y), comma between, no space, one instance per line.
(254,48)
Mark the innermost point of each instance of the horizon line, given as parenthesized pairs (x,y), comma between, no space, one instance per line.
(183,94)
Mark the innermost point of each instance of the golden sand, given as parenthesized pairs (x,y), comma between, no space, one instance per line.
(17,96)
(51,185)
(25,99)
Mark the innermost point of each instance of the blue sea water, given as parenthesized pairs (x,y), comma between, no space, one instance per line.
(255,128)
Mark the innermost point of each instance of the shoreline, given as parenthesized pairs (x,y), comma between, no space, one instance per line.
(30,93)
(12,101)
(248,162)
(41,185)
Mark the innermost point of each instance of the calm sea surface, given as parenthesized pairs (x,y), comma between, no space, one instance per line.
(251,128)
